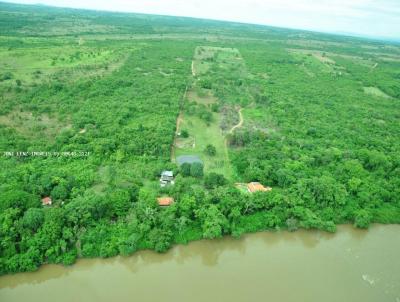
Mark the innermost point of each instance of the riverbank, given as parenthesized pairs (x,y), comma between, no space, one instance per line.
(350,265)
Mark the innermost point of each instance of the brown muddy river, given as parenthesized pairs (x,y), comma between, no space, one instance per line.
(351,265)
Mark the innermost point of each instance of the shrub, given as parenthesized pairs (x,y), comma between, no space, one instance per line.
(185,169)
(362,219)
(210,150)
(184,133)
(6,76)
(196,170)
(213,180)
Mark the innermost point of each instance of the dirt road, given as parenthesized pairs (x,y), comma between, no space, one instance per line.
(178,123)
(193,71)
(240,124)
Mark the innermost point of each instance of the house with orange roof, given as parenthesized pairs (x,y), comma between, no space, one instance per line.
(253,187)
(165,201)
(46,201)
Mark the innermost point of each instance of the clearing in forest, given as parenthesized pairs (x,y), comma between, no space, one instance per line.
(36,65)
(33,126)
(208,57)
(203,129)
(199,123)
(375,91)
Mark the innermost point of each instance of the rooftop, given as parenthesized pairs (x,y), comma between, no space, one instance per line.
(165,201)
(257,187)
(167,173)
(46,201)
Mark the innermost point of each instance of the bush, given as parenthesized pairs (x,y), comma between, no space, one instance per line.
(362,219)
(214,180)
(206,83)
(60,192)
(185,169)
(196,170)
(184,133)
(210,150)
(292,224)
(33,218)
(6,76)
(215,107)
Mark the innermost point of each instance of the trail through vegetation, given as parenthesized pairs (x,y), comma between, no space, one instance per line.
(240,124)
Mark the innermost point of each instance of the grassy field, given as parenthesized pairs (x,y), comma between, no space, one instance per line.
(33,65)
(207,56)
(208,61)
(201,134)
(376,92)
(34,126)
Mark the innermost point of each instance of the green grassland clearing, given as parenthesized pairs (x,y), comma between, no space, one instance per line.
(35,65)
(258,119)
(319,55)
(206,56)
(201,134)
(202,96)
(375,91)
(331,62)
(208,61)
(313,62)
(33,126)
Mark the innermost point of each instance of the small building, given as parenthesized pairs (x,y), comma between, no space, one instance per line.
(165,201)
(167,178)
(253,187)
(46,201)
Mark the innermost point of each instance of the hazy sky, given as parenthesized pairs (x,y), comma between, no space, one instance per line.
(380,18)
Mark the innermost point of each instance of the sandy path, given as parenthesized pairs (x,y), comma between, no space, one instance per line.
(240,124)
(180,119)
(193,71)
(178,124)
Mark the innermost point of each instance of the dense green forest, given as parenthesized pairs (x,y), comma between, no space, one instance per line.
(88,117)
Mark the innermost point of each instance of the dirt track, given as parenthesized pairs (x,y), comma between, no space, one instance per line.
(178,122)
(193,71)
(240,124)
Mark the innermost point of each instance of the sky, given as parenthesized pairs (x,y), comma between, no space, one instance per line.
(373,18)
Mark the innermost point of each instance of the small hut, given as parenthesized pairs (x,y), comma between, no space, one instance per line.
(165,201)
(167,178)
(253,187)
(46,201)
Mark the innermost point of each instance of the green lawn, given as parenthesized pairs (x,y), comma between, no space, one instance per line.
(34,64)
(376,92)
(226,58)
(202,134)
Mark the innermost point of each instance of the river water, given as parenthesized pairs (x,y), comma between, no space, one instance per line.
(351,265)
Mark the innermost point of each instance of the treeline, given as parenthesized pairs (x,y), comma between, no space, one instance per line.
(126,219)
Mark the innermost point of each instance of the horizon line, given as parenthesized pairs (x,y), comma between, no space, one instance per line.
(335,33)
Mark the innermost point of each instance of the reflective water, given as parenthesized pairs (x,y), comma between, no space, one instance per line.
(351,265)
